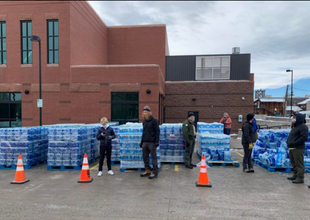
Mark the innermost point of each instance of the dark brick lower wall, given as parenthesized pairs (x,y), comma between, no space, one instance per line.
(210,99)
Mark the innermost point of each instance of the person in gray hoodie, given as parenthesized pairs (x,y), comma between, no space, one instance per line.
(296,144)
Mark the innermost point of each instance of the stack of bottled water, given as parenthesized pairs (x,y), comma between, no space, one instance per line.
(271,149)
(115,145)
(30,142)
(214,147)
(130,151)
(172,144)
(212,128)
(67,145)
(94,143)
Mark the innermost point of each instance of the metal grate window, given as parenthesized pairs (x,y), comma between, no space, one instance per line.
(2,42)
(26,44)
(52,41)
(212,67)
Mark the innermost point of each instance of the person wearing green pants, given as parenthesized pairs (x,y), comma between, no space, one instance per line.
(296,144)
(189,134)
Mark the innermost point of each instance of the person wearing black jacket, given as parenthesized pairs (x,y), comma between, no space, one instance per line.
(296,144)
(149,142)
(248,141)
(105,134)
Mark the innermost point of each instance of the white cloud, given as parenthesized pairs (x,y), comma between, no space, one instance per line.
(277,34)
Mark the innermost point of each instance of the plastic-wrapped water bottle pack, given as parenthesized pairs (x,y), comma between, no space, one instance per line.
(30,142)
(115,145)
(271,149)
(67,144)
(172,144)
(215,147)
(130,136)
(212,128)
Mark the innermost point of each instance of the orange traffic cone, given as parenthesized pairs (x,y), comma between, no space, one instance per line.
(203,176)
(20,176)
(85,174)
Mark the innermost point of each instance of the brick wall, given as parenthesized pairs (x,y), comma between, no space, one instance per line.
(137,45)
(88,35)
(212,100)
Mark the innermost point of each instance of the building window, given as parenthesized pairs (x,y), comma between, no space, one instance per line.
(212,67)
(2,43)
(52,41)
(10,110)
(125,107)
(26,32)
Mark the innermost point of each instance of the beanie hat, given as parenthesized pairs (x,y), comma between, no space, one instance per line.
(249,117)
(190,114)
(147,108)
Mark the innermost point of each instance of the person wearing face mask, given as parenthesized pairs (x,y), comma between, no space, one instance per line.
(296,144)
(189,134)
(149,142)
(248,141)
(105,134)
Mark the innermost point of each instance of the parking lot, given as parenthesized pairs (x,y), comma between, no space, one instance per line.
(234,194)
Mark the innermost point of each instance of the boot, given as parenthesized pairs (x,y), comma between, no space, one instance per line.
(152,176)
(292,177)
(146,173)
(189,166)
(298,180)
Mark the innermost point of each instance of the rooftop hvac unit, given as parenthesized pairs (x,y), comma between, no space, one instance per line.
(236,50)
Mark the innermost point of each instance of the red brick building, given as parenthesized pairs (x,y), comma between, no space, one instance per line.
(91,70)
(93,62)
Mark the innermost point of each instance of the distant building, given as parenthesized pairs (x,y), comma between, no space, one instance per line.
(269,106)
(304,105)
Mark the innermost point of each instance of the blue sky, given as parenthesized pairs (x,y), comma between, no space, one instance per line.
(300,89)
(276,33)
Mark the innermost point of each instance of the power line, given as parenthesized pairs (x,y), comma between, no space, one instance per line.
(302,89)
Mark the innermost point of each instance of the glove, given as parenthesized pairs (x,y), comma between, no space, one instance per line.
(251,146)
(157,144)
(141,144)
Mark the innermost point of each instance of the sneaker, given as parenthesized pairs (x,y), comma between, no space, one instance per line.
(152,176)
(251,170)
(193,165)
(100,173)
(146,173)
(110,172)
(246,170)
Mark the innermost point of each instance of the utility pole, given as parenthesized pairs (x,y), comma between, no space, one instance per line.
(285,102)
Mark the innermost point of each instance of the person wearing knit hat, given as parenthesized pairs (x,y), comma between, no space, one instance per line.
(188,131)
(248,141)
(149,142)
(296,144)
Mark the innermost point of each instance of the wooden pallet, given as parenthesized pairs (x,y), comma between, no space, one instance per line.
(221,163)
(64,168)
(273,168)
(26,167)
(131,169)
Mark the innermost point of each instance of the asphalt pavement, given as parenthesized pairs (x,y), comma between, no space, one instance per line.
(53,195)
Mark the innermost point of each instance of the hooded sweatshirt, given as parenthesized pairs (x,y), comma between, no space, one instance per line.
(299,133)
